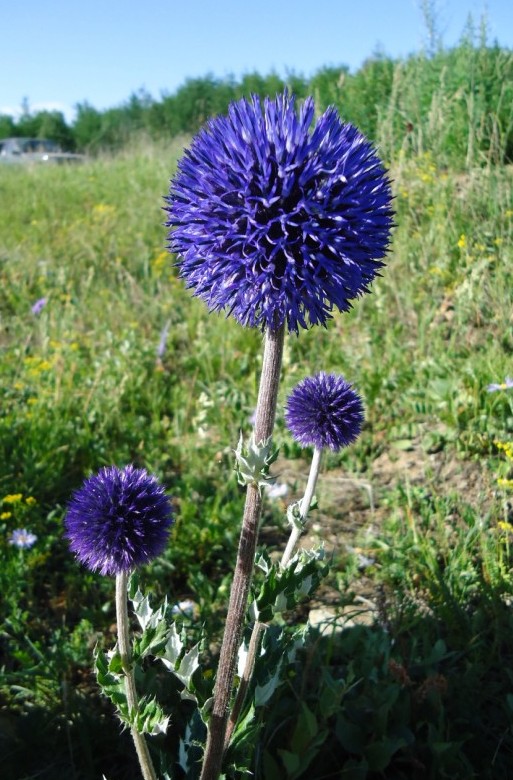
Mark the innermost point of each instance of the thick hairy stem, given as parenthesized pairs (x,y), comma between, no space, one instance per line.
(258,628)
(143,754)
(264,424)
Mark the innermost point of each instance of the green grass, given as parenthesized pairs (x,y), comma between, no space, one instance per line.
(81,387)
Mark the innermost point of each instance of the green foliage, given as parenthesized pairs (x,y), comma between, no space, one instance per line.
(386,705)
(42,124)
(455,104)
(283,589)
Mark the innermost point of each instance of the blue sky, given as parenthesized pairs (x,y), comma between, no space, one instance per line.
(56,53)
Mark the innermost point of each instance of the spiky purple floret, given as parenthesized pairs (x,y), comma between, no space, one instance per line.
(118,519)
(274,222)
(324,411)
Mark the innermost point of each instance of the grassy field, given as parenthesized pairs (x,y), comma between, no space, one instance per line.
(122,365)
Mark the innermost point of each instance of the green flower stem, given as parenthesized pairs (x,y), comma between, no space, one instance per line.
(264,424)
(304,508)
(258,628)
(143,754)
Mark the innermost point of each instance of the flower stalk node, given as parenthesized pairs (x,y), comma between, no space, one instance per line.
(254,461)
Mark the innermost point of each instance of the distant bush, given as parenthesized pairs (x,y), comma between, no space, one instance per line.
(456,103)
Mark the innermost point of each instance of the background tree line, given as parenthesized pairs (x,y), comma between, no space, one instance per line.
(455,103)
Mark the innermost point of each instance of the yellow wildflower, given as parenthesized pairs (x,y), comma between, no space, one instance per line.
(505,526)
(5,515)
(37,365)
(30,501)
(103,209)
(159,263)
(505,483)
(506,447)
(462,241)
(12,498)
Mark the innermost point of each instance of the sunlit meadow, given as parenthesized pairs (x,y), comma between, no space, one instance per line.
(106,359)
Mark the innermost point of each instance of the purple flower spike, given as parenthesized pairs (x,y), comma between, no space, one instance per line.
(38,306)
(118,519)
(324,411)
(22,539)
(275,222)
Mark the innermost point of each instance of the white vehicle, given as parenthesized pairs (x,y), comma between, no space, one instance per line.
(35,150)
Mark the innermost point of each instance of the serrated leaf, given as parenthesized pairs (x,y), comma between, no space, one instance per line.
(115,665)
(142,609)
(146,615)
(150,718)
(191,746)
(172,649)
(182,665)
(241,658)
(245,731)
(264,692)
(111,685)
(188,665)
(152,640)
(284,588)
(254,460)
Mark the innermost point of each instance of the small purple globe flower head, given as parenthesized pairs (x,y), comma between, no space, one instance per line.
(275,222)
(118,519)
(22,539)
(324,411)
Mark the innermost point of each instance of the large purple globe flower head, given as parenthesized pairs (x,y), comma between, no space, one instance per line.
(118,519)
(324,411)
(275,222)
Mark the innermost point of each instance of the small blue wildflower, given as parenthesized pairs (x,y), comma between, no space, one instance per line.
(186,607)
(275,490)
(324,411)
(118,519)
(38,306)
(506,385)
(22,539)
(275,222)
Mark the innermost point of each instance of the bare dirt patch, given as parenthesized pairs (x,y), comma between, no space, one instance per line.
(351,505)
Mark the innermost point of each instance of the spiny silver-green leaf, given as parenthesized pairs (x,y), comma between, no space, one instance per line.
(146,615)
(284,588)
(182,665)
(294,516)
(254,461)
(149,718)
